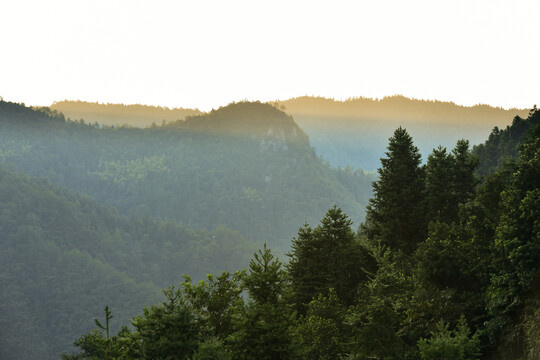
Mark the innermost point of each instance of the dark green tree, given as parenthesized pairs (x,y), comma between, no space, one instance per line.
(321,331)
(262,326)
(214,300)
(464,168)
(98,344)
(168,331)
(439,179)
(328,256)
(378,315)
(517,238)
(445,344)
(396,214)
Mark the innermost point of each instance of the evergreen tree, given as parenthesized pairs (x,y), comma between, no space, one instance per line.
(214,300)
(326,257)
(262,326)
(439,176)
(464,167)
(517,238)
(168,331)
(445,344)
(378,316)
(396,213)
(321,330)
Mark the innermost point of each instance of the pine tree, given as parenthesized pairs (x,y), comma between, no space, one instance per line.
(326,257)
(464,179)
(396,214)
(439,176)
(262,326)
(167,331)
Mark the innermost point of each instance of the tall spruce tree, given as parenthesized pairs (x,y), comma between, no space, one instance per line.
(396,214)
(326,257)
(439,176)
(450,181)
(464,179)
(262,326)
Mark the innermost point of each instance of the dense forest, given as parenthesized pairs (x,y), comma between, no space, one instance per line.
(422,260)
(63,255)
(444,267)
(246,166)
(239,176)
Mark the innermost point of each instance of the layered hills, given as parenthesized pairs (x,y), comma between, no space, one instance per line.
(118,114)
(239,176)
(247,166)
(353,132)
(111,213)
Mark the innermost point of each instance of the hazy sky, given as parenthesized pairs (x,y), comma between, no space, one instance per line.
(207,53)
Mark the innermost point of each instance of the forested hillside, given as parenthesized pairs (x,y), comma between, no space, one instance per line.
(246,166)
(444,264)
(503,144)
(63,256)
(346,133)
(445,267)
(354,132)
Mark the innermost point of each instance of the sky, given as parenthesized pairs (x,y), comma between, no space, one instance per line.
(205,54)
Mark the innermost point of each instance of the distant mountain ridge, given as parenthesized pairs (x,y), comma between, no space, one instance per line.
(352,132)
(119,114)
(396,107)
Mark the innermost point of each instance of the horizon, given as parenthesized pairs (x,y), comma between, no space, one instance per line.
(207,54)
(350,99)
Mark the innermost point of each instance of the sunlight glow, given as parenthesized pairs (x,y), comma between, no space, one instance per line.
(204,54)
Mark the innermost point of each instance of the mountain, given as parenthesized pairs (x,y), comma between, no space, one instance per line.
(355,132)
(120,114)
(346,133)
(247,166)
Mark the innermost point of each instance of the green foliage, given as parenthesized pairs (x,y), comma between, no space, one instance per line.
(517,239)
(434,246)
(262,326)
(445,344)
(327,257)
(214,301)
(442,258)
(63,255)
(396,214)
(212,349)
(167,331)
(377,317)
(105,328)
(321,331)
(503,144)
(450,181)
(439,176)
(99,345)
